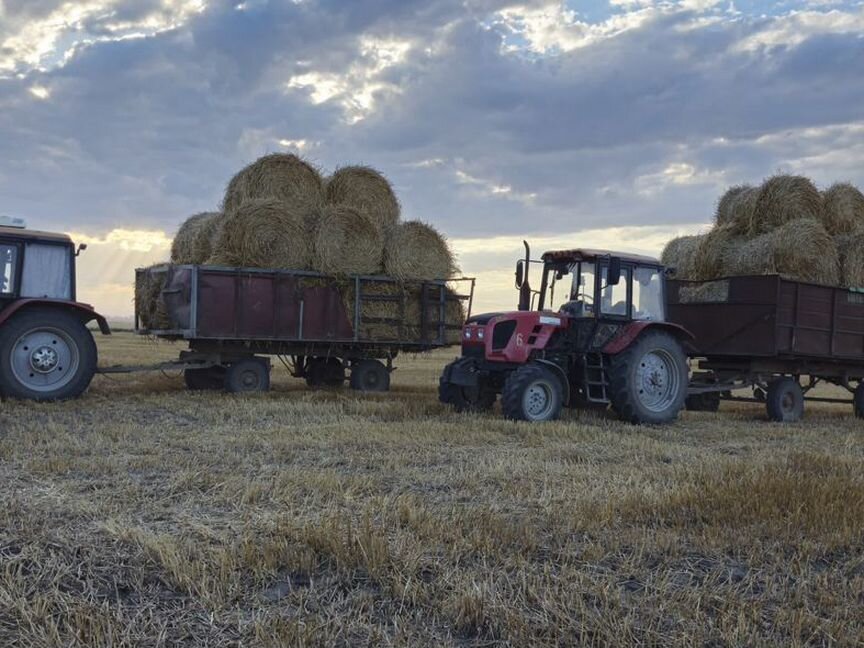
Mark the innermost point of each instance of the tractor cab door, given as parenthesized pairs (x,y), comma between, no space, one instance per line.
(48,270)
(614,299)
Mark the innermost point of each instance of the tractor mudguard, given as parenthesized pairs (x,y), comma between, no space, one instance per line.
(633,330)
(462,372)
(84,311)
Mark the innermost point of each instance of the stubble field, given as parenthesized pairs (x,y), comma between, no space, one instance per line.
(144,515)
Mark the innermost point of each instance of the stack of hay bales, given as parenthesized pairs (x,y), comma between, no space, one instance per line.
(279,212)
(786,227)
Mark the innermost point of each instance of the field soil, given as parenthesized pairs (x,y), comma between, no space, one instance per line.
(145,515)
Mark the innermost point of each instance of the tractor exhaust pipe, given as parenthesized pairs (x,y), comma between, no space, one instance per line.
(522,279)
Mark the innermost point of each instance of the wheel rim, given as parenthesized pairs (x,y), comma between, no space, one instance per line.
(45,359)
(658,381)
(249,380)
(787,403)
(538,400)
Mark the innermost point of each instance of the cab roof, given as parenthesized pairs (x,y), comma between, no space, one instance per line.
(588,254)
(18,233)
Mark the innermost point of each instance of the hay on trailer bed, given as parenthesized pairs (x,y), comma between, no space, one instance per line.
(344,241)
(415,250)
(800,250)
(782,199)
(843,211)
(280,176)
(851,248)
(193,242)
(725,214)
(709,262)
(704,293)
(264,234)
(149,305)
(367,191)
(680,253)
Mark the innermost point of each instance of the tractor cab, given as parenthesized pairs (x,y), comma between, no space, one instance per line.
(46,349)
(591,284)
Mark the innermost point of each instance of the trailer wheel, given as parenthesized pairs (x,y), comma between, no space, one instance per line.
(327,372)
(209,379)
(648,381)
(532,393)
(785,400)
(370,376)
(707,402)
(251,375)
(858,400)
(46,354)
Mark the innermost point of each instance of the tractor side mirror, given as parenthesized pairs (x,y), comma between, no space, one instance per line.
(520,273)
(613,273)
(81,248)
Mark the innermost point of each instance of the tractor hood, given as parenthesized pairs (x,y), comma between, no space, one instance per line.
(483,318)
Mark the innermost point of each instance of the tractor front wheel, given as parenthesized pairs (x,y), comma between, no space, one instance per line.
(532,393)
(648,381)
(45,355)
(462,398)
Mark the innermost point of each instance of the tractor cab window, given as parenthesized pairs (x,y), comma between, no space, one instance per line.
(47,271)
(8,263)
(613,299)
(578,300)
(648,295)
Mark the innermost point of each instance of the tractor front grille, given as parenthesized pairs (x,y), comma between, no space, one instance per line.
(501,334)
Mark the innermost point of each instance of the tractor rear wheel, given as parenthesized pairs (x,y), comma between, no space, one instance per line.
(858,400)
(325,372)
(532,393)
(462,398)
(785,400)
(648,381)
(46,354)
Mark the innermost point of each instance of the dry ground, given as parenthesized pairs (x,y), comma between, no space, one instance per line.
(144,515)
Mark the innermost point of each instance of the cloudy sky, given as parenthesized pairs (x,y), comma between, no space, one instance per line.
(599,122)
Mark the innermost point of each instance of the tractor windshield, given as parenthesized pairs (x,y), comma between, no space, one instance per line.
(8,260)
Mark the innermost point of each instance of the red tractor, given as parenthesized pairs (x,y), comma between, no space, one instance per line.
(46,350)
(602,340)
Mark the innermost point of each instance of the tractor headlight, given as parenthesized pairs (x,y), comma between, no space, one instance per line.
(480,334)
(467,333)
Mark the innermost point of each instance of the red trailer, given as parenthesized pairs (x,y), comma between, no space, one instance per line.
(773,337)
(324,328)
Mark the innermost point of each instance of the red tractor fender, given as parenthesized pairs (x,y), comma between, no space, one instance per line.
(84,311)
(633,330)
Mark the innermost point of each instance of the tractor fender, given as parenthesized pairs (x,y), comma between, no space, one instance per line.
(633,330)
(558,371)
(83,311)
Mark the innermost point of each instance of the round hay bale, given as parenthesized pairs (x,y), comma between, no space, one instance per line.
(280,176)
(851,249)
(782,199)
(192,242)
(264,234)
(742,209)
(367,191)
(724,216)
(680,253)
(415,250)
(344,241)
(149,305)
(207,237)
(709,262)
(801,250)
(843,211)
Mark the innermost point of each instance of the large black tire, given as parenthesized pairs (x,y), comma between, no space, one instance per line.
(249,375)
(46,354)
(785,400)
(209,379)
(858,400)
(465,399)
(370,376)
(708,402)
(532,393)
(325,372)
(648,381)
